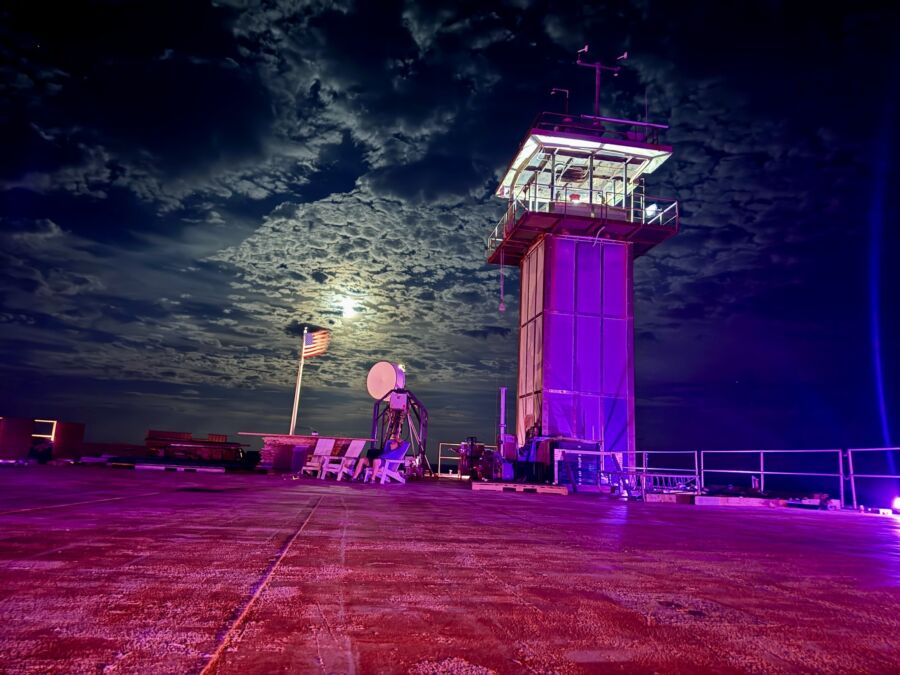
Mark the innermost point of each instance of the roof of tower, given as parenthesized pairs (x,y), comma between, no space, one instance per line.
(605,138)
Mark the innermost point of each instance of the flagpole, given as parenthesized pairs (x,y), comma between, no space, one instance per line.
(299,379)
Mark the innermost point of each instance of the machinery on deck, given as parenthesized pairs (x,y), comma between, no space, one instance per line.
(398,414)
(482,463)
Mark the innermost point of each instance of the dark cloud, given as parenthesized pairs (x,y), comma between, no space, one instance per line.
(150,82)
(295,328)
(487,332)
(431,179)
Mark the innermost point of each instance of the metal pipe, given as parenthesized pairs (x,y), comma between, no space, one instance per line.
(876,449)
(299,380)
(553,178)
(502,416)
(556,461)
(643,205)
(615,120)
(841,471)
(591,182)
(852,475)
(598,66)
(762,471)
(877,475)
(782,473)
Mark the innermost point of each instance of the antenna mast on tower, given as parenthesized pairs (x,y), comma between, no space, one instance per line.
(598,68)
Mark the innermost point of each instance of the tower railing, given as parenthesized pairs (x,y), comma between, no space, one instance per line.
(610,205)
(646,133)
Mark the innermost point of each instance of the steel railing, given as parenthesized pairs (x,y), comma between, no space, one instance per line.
(692,476)
(877,476)
(601,127)
(607,205)
(762,472)
(645,475)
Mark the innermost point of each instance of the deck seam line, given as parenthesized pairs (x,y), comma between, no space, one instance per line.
(226,639)
(90,501)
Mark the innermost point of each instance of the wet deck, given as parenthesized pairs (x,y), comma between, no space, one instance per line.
(108,570)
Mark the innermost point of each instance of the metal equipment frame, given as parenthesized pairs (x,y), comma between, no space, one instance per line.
(412,426)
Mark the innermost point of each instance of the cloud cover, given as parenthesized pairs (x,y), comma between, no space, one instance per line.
(184,182)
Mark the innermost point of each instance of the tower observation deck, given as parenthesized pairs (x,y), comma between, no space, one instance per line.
(577,217)
(583,175)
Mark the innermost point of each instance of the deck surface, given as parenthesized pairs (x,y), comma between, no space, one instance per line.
(115,571)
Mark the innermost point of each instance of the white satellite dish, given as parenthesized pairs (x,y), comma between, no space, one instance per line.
(384,377)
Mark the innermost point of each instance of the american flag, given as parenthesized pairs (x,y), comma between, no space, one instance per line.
(316,343)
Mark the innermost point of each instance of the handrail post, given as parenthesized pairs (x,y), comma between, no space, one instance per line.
(702,474)
(840,455)
(553,177)
(696,474)
(762,472)
(556,465)
(591,183)
(852,475)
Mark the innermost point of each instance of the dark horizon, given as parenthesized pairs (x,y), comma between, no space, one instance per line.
(184,184)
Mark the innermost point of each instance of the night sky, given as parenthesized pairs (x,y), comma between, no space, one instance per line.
(184,185)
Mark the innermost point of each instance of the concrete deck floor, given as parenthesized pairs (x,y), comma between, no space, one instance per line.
(107,570)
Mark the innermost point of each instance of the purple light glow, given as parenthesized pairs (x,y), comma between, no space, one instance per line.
(876,224)
(895,505)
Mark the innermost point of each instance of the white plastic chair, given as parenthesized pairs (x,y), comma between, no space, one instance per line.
(390,465)
(344,465)
(322,451)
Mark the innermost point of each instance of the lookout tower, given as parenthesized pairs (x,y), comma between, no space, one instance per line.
(577,217)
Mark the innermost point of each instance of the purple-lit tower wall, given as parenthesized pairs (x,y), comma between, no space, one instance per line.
(576,374)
